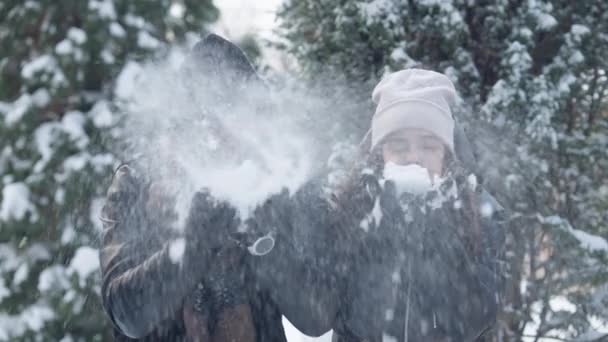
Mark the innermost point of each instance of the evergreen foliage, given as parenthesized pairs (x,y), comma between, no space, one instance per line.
(58,62)
(533,78)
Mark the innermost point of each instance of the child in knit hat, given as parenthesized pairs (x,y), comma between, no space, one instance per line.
(413,122)
(426,267)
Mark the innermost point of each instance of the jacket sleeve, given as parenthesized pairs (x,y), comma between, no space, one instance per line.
(466,288)
(141,285)
(302,272)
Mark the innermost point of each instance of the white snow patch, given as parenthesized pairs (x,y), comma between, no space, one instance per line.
(72,123)
(565,82)
(170,122)
(101,162)
(84,262)
(579,30)
(396,277)
(177,249)
(472,181)
(374,217)
(377,211)
(412,178)
(562,303)
(15,202)
(53,277)
(67,338)
(64,47)
(107,57)
(388,338)
(177,10)
(17,110)
(134,21)
(38,64)
(294,335)
(4,291)
(373,9)
(59,196)
(102,115)
(31,318)
(146,41)
(10,260)
(117,30)
(389,315)
(36,316)
(105,8)
(76,162)
(95,212)
(551,220)
(486,210)
(21,274)
(41,97)
(364,224)
(589,241)
(77,35)
(546,21)
(458,204)
(249,183)
(576,57)
(68,235)
(44,136)
(127,79)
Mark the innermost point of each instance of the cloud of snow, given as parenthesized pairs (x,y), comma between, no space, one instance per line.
(412,178)
(243,148)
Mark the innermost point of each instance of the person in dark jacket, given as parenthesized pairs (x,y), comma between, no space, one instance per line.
(362,261)
(198,282)
(427,266)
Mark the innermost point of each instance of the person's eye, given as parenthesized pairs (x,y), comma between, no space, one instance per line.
(394,146)
(399,148)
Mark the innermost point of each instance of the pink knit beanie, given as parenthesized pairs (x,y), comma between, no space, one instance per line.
(414,98)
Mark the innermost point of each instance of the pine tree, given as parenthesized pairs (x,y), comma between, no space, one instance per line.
(58,60)
(533,77)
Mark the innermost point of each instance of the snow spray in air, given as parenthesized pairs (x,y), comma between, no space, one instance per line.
(413,178)
(238,144)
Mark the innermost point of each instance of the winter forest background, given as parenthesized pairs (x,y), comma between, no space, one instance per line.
(533,79)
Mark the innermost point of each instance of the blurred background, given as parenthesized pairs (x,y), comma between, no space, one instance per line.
(532,76)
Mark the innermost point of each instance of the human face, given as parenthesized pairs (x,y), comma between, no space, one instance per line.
(415,146)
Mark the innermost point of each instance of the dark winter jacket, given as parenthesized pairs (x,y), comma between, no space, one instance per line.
(325,271)
(418,276)
(153,297)
(147,294)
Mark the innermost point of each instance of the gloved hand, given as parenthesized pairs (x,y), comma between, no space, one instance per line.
(209,225)
(220,304)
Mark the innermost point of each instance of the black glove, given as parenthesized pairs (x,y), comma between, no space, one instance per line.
(224,283)
(209,225)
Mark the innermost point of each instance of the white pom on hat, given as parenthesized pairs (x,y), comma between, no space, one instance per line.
(414,98)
